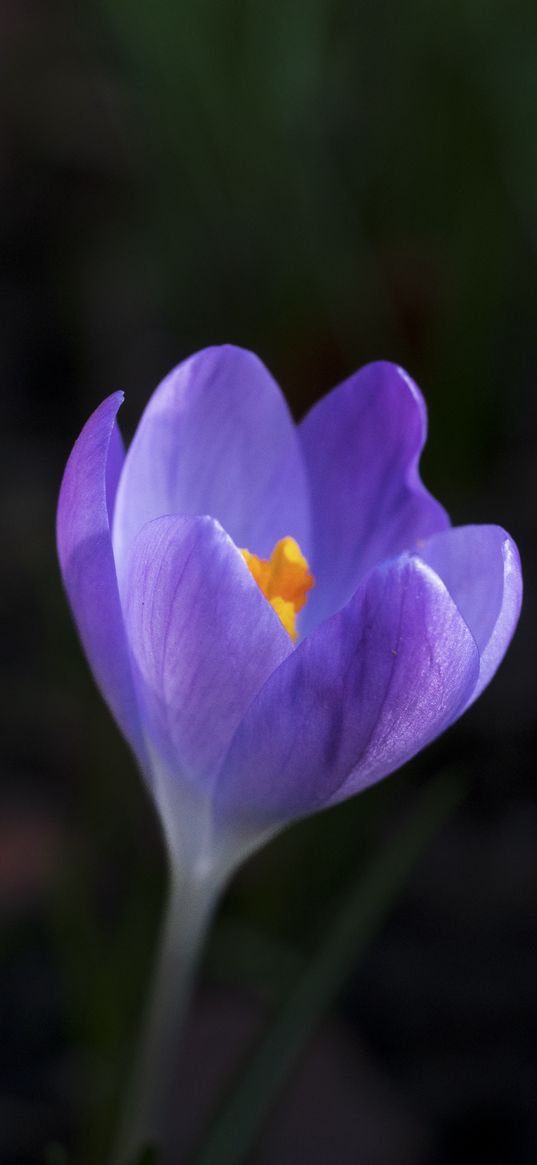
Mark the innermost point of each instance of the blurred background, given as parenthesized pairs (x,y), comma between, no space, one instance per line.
(327,183)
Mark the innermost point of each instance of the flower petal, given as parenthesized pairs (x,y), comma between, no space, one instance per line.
(362,445)
(480,567)
(114,466)
(203,640)
(216,438)
(87,563)
(359,697)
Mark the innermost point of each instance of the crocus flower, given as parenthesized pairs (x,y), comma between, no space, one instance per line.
(277,616)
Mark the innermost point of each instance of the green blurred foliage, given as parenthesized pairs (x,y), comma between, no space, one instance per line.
(335,182)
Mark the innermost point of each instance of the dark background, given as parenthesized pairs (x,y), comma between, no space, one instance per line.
(327,183)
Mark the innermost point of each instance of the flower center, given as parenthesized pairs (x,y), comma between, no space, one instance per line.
(284,579)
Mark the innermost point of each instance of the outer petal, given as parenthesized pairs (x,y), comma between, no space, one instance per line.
(366,691)
(87,563)
(480,567)
(203,640)
(216,438)
(114,467)
(362,445)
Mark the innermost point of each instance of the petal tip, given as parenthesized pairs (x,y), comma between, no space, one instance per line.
(416,394)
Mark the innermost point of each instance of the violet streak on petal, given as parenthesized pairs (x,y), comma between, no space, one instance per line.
(114,468)
(216,438)
(362,445)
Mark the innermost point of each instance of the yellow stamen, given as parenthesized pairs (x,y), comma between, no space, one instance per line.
(284,579)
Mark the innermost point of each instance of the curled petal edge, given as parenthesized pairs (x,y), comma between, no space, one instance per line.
(480,566)
(87,495)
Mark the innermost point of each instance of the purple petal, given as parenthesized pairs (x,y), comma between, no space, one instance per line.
(203,640)
(480,567)
(216,438)
(114,466)
(87,563)
(359,697)
(362,445)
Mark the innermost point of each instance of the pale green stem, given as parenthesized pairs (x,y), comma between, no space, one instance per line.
(152,1110)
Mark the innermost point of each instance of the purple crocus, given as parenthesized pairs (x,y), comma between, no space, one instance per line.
(277,616)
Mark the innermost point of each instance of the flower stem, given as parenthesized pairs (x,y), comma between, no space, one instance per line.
(354,922)
(152,1104)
